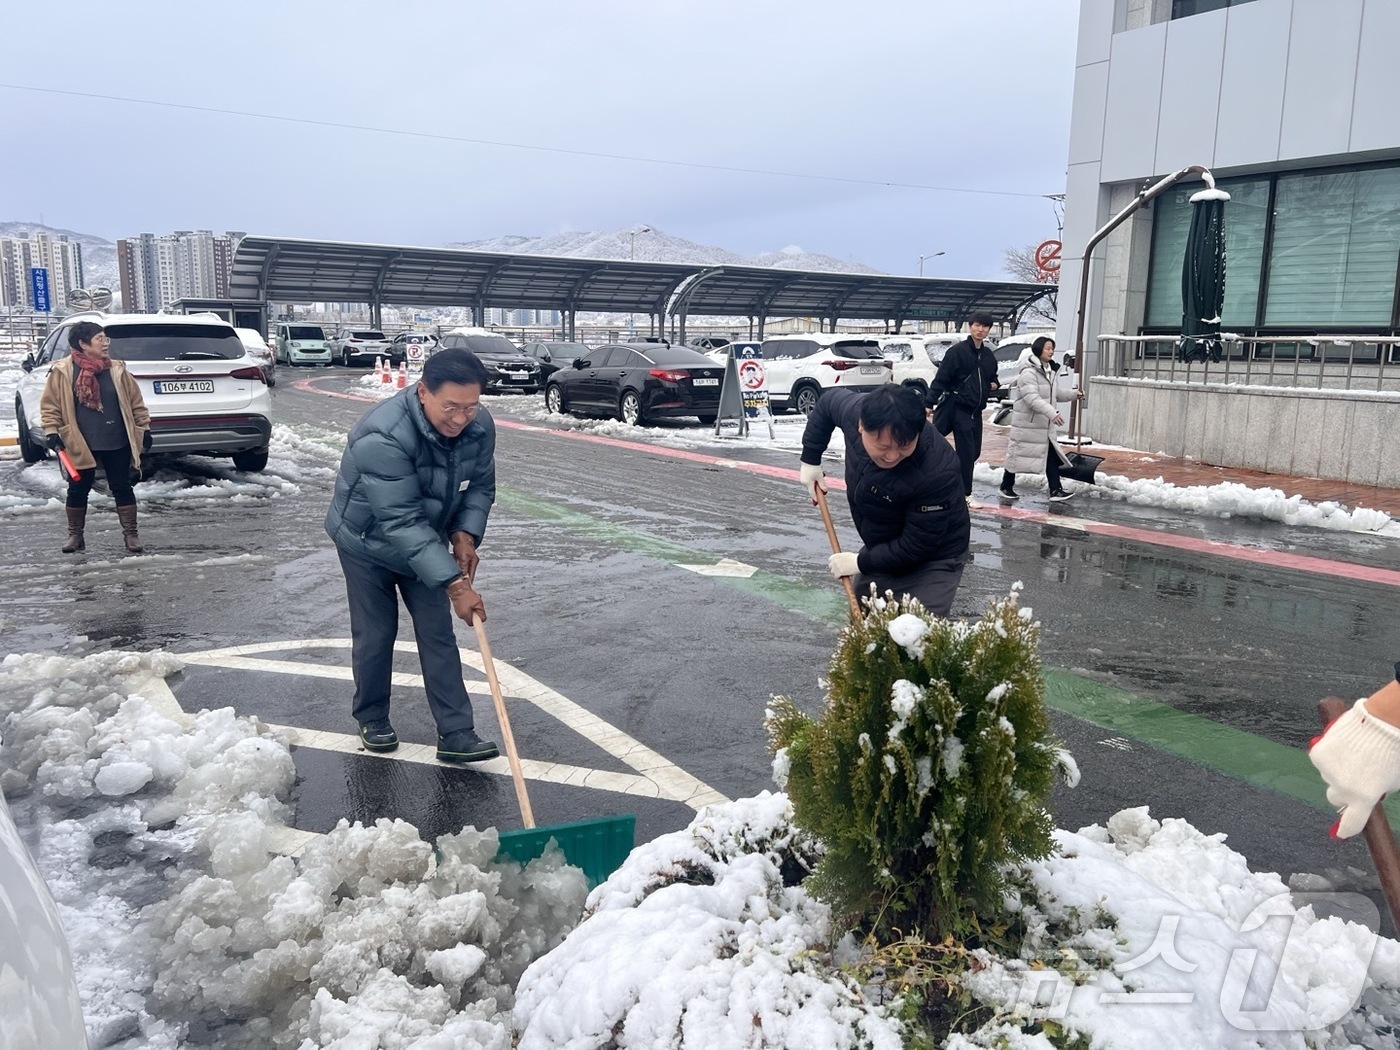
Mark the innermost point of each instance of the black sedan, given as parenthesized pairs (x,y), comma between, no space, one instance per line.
(507,366)
(554,356)
(638,382)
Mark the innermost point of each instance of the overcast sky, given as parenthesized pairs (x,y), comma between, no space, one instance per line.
(970,94)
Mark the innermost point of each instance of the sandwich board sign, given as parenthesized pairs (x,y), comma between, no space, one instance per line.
(731,420)
(753,388)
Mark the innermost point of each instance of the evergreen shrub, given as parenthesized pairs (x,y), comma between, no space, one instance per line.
(926,775)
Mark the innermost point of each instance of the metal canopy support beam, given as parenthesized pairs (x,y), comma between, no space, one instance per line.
(683,296)
(377,295)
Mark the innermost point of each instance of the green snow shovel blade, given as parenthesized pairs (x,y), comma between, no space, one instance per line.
(598,845)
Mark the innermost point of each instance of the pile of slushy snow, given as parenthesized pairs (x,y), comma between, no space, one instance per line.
(156,832)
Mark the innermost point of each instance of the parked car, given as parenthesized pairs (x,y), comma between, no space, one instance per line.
(300,344)
(638,382)
(205,394)
(1008,354)
(800,367)
(507,366)
(358,346)
(37,984)
(260,352)
(398,349)
(706,343)
(915,358)
(720,354)
(554,356)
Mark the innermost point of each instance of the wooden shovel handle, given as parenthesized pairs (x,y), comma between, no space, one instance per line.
(1385,855)
(527,815)
(836,549)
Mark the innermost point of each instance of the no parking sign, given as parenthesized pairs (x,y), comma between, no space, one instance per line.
(415,357)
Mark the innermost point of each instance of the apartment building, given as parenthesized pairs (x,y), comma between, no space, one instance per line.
(61,257)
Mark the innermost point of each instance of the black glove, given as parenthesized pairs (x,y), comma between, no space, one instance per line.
(146,441)
(53,441)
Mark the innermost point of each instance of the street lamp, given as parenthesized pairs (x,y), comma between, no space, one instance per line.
(632,257)
(935,255)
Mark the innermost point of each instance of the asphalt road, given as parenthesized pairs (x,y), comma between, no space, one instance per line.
(638,685)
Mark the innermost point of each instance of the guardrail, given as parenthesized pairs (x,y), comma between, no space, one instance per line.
(1318,362)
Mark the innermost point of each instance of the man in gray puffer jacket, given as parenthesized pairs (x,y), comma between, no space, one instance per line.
(418,477)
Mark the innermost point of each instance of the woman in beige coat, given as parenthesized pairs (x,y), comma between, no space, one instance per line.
(93,409)
(1031,447)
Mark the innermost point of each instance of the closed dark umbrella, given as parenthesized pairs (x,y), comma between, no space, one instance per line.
(1203,278)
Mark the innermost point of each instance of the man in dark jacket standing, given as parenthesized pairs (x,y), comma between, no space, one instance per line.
(967,375)
(904,491)
(418,477)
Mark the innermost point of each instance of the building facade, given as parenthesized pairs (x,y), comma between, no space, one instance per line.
(18,255)
(187,264)
(1291,104)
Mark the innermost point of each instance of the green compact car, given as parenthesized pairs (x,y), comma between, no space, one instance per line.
(301,344)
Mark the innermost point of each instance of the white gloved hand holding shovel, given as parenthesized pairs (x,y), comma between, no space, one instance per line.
(811,476)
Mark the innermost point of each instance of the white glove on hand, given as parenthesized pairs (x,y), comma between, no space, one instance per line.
(843,563)
(811,478)
(1359,757)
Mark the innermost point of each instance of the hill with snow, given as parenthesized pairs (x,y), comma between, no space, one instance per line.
(657,246)
(99,254)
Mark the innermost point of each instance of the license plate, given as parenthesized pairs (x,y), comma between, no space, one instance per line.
(871,370)
(705,382)
(183,386)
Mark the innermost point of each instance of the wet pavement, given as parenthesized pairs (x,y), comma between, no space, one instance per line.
(590,602)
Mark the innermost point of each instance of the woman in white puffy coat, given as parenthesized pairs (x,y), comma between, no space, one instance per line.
(1031,448)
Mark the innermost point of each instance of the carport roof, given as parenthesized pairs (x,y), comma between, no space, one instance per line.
(285,269)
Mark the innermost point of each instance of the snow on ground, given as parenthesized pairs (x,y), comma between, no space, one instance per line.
(156,829)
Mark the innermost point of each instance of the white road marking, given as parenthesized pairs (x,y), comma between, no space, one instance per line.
(655,776)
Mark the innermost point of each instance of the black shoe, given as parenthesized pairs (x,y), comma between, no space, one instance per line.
(378,736)
(465,746)
(1008,493)
(1060,495)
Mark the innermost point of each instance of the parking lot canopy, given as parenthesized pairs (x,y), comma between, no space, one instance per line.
(283,269)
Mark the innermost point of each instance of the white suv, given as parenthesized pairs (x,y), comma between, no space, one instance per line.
(916,357)
(800,367)
(205,394)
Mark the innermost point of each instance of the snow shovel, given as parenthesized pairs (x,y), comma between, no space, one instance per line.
(598,845)
(1385,855)
(1076,465)
(836,549)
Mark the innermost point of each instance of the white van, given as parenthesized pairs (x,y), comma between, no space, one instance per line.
(800,367)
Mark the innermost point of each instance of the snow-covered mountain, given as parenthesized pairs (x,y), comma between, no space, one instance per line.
(99,254)
(656,246)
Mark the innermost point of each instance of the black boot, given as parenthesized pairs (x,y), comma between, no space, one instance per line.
(464,746)
(77,518)
(378,736)
(1008,490)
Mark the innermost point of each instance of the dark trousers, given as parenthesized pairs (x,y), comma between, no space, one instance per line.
(116,467)
(374,592)
(967,440)
(1052,472)
(934,584)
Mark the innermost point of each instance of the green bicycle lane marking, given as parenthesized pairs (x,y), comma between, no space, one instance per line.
(1224,749)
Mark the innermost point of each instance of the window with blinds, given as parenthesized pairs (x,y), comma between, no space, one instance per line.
(1336,243)
(1246,218)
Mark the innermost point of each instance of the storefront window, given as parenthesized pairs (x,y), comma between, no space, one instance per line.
(1246,217)
(1335,246)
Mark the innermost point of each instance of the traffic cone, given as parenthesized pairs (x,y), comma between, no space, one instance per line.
(386,374)
(403,376)
(378,368)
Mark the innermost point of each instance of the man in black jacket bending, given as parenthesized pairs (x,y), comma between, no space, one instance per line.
(904,490)
(967,375)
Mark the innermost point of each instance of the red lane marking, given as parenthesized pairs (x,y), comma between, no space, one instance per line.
(1197,545)
(309,386)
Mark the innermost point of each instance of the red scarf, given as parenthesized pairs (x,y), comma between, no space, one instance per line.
(85,383)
